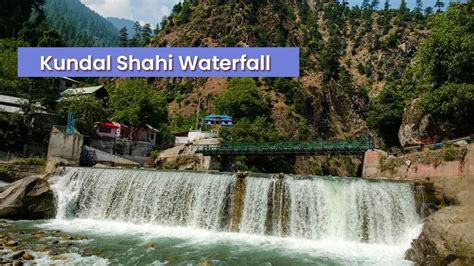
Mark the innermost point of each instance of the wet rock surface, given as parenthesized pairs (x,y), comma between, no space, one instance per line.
(448,236)
(29,198)
(25,247)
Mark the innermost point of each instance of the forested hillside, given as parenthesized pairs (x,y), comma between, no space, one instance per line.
(348,57)
(79,25)
(357,69)
(119,23)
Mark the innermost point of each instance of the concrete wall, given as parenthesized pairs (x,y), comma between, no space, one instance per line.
(417,166)
(64,147)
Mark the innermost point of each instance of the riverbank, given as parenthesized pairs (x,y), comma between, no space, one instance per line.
(447,236)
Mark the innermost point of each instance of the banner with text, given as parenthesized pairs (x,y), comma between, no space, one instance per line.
(158,62)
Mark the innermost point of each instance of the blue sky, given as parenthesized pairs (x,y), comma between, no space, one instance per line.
(152,11)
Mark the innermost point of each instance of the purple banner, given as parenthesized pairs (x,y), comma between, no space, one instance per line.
(158,62)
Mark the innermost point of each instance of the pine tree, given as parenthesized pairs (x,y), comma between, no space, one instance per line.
(365,4)
(136,41)
(146,34)
(418,6)
(375,4)
(428,11)
(123,41)
(386,6)
(439,4)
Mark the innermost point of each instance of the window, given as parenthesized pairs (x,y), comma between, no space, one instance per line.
(105,130)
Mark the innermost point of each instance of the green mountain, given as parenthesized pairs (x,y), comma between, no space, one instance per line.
(348,57)
(79,25)
(119,23)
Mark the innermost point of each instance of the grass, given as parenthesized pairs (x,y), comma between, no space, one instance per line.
(35,160)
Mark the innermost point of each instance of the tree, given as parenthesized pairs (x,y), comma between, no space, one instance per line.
(38,33)
(447,55)
(418,7)
(136,103)
(452,106)
(242,99)
(428,11)
(374,4)
(136,40)
(386,5)
(14,13)
(365,4)
(146,34)
(386,112)
(439,4)
(123,40)
(87,111)
(185,13)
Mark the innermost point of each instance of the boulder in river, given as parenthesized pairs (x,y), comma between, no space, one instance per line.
(30,198)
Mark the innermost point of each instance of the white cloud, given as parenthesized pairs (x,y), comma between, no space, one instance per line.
(144,11)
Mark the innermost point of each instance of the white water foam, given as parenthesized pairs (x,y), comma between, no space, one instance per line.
(345,252)
(349,219)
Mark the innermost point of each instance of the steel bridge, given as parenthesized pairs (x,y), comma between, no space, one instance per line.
(328,147)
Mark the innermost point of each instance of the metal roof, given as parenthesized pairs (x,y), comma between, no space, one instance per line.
(11,100)
(81,91)
(71,80)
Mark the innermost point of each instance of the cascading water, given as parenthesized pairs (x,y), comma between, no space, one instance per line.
(317,208)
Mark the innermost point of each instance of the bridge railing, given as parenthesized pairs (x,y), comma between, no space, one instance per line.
(323,147)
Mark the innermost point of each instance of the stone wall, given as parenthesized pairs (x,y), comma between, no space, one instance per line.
(427,165)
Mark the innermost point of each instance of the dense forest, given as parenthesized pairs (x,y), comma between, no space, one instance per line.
(80,26)
(400,75)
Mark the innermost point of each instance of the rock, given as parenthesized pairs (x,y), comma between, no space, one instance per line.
(28,256)
(12,243)
(151,245)
(416,126)
(30,198)
(461,143)
(17,263)
(66,238)
(17,255)
(447,235)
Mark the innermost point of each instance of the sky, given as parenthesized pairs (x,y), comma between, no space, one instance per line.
(152,11)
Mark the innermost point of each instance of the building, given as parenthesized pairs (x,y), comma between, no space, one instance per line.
(115,130)
(147,134)
(111,129)
(218,120)
(65,83)
(11,104)
(98,91)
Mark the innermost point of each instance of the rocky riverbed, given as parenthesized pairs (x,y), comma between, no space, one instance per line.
(26,245)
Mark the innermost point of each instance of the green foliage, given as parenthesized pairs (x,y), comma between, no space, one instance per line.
(13,13)
(447,55)
(452,105)
(242,99)
(453,153)
(87,111)
(288,87)
(248,130)
(42,91)
(123,39)
(136,103)
(80,26)
(386,112)
(35,160)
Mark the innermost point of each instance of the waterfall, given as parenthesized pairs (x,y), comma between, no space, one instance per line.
(346,209)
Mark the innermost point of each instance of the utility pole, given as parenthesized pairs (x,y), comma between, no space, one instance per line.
(197,115)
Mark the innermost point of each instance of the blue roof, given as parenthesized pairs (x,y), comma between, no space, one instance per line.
(218,117)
